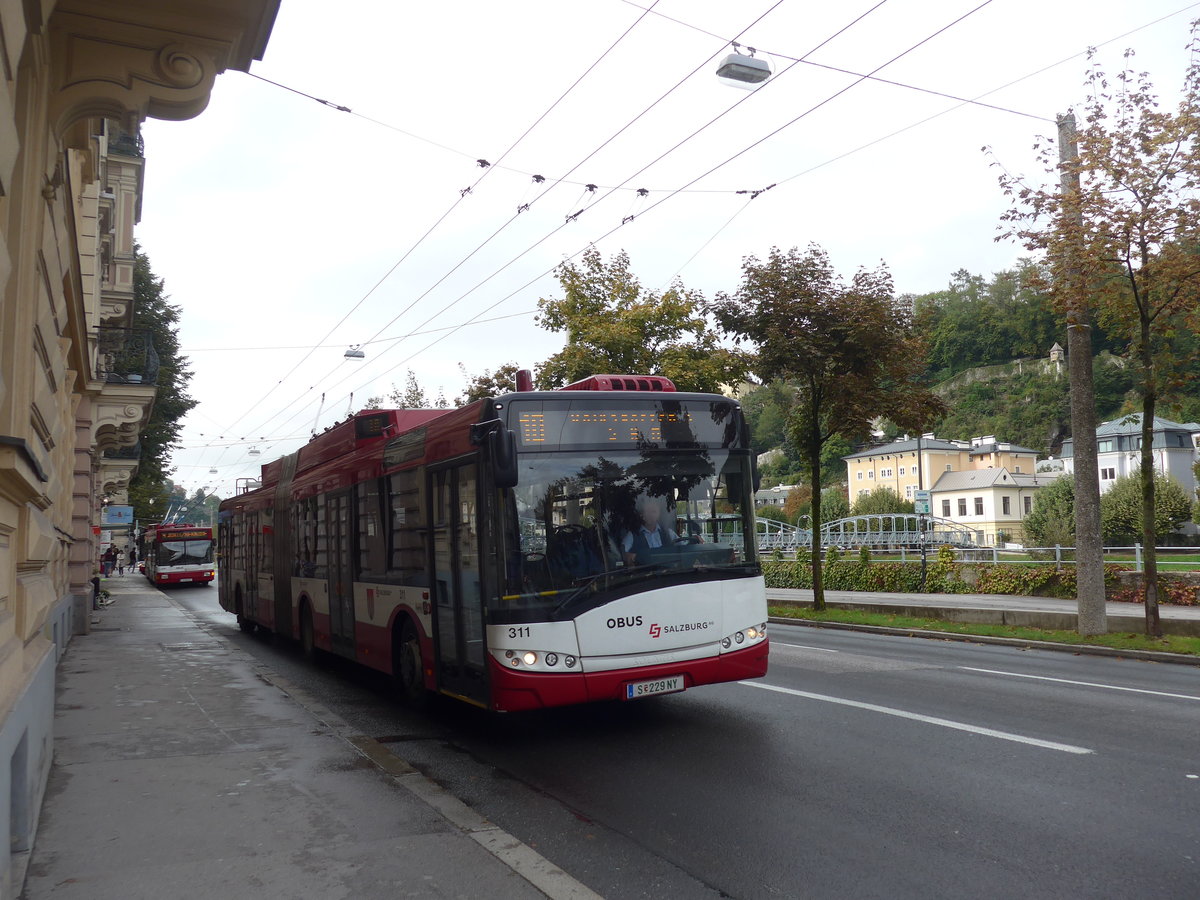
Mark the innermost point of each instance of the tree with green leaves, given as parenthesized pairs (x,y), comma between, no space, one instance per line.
(1196,498)
(881,501)
(412,397)
(488,383)
(1051,522)
(849,350)
(154,314)
(1121,508)
(834,505)
(615,326)
(1129,231)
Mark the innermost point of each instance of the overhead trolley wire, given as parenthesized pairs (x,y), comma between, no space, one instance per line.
(574,216)
(525,207)
(736,155)
(485,164)
(624,221)
(943,112)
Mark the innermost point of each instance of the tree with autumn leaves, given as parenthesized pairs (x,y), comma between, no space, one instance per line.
(615,326)
(849,350)
(1130,233)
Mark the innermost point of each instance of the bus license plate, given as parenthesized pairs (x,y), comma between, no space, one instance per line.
(637,689)
(184,579)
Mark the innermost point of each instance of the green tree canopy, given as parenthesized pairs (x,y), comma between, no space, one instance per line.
(1121,508)
(1051,522)
(614,325)
(155,314)
(881,501)
(412,397)
(488,383)
(849,350)
(834,504)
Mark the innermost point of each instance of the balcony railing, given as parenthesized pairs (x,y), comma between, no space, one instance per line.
(124,356)
(127,144)
(134,452)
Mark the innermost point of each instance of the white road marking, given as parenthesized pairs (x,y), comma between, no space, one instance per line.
(928,720)
(1110,687)
(802,647)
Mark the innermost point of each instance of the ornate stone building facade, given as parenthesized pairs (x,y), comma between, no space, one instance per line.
(76,384)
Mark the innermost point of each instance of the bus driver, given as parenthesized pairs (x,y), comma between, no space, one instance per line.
(650,535)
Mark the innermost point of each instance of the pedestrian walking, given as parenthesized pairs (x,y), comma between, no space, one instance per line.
(120,562)
(108,560)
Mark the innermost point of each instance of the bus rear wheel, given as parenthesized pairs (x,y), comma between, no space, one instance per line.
(407,671)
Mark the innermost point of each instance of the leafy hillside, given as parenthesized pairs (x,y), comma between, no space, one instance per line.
(989,345)
(1026,402)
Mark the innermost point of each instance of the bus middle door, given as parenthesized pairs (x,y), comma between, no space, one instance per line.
(457,588)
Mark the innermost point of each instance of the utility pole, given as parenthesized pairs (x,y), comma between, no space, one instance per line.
(1089,552)
(921,515)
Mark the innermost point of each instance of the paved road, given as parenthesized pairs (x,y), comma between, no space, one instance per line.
(863,765)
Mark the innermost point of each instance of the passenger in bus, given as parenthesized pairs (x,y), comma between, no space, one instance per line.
(650,535)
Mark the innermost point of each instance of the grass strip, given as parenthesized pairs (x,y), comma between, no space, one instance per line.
(1171,643)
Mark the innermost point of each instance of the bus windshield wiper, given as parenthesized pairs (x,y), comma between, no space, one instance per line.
(586,581)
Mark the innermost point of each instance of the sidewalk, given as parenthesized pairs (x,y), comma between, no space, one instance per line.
(997,609)
(182,769)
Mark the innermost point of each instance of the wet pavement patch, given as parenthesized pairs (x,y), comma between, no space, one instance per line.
(194,645)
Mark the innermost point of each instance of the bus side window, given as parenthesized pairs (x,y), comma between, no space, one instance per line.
(405,533)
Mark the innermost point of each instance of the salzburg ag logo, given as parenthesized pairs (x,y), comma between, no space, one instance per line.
(657,630)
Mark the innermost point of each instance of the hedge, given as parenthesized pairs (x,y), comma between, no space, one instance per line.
(944,575)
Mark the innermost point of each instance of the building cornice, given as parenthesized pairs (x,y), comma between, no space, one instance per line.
(130,60)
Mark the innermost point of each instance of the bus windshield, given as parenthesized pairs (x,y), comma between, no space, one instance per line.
(584,527)
(185,553)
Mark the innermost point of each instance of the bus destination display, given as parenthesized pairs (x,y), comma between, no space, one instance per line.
(547,425)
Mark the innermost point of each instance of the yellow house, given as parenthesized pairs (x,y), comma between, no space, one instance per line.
(909,464)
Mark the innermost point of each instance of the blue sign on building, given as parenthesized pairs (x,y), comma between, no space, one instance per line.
(116,515)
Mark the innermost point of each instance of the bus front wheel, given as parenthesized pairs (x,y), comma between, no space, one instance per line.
(407,670)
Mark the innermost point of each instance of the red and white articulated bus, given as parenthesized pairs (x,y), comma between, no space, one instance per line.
(537,549)
(178,554)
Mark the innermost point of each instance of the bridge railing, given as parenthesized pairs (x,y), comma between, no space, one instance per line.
(881,531)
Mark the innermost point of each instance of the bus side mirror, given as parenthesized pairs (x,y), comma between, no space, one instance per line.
(502,447)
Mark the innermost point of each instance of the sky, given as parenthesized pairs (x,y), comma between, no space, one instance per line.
(287,230)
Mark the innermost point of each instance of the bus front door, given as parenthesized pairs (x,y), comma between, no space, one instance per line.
(458,595)
(341,575)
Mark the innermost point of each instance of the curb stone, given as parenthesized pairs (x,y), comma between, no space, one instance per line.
(1088,649)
